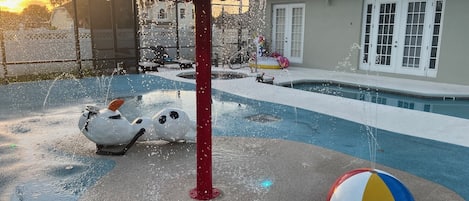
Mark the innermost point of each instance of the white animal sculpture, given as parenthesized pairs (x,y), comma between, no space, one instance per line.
(107,127)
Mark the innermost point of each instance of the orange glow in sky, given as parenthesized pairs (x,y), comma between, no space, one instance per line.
(17,6)
(233,8)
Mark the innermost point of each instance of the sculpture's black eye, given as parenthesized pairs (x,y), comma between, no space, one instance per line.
(162,119)
(115,117)
(174,115)
(139,121)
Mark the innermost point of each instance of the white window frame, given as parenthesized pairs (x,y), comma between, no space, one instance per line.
(288,30)
(424,68)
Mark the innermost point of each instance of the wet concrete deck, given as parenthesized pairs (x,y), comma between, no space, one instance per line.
(298,172)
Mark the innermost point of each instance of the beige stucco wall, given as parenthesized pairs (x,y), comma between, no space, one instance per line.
(332,27)
(454,55)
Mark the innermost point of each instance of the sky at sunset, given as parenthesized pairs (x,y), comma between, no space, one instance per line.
(17,6)
(233,8)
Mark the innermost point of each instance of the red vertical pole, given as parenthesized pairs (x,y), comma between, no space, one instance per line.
(203,43)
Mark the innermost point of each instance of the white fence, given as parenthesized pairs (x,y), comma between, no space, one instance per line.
(36,51)
(45,45)
(42,48)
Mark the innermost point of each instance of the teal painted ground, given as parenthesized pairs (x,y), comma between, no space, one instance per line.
(439,162)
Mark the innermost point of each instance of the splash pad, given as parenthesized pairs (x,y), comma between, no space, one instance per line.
(270,183)
(167,171)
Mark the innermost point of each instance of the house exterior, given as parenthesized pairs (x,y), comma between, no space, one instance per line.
(61,19)
(62,16)
(164,12)
(414,39)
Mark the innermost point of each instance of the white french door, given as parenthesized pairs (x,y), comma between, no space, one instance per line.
(401,36)
(288,30)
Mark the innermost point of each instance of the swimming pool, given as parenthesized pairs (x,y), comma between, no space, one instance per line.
(233,115)
(451,106)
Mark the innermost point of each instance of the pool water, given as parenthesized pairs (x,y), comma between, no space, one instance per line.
(233,115)
(451,106)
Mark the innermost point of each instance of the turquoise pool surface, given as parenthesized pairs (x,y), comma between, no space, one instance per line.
(233,115)
(451,106)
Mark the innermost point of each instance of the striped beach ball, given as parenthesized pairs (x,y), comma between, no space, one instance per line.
(366,184)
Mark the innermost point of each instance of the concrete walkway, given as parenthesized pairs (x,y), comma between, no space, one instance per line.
(298,172)
(410,122)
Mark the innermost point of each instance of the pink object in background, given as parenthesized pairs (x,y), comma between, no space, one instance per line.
(283,61)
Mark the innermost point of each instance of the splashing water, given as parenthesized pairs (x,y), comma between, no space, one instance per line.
(289,77)
(371,123)
(373,145)
(345,63)
(371,119)
(104,86)
(61,76)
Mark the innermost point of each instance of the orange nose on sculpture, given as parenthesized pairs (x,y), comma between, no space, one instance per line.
(115,104)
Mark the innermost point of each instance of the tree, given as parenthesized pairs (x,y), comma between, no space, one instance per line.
(8,20)
(35,15)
